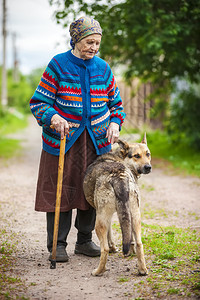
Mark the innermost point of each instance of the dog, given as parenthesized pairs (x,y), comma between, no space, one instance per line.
(110,185)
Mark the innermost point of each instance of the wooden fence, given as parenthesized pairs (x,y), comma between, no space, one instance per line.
(136,108)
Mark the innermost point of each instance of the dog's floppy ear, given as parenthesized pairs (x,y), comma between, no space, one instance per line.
(124,147)
(144,140)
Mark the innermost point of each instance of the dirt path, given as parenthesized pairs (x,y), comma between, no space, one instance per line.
(166,200)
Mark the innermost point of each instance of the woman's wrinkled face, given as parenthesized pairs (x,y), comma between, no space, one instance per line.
(88,47)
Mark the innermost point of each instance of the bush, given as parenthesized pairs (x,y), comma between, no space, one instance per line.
(19,93)
(182,156)
(184,125)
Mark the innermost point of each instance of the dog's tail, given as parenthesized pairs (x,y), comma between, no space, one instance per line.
(122,206)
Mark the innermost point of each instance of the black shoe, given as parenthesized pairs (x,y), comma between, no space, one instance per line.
(88,248)
(61,255)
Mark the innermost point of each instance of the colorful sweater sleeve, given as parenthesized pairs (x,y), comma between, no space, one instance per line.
(41,104)
(117,114)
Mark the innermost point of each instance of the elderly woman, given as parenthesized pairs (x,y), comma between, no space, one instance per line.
(78,95)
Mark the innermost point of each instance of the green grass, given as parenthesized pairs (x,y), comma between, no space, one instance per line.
(152,213)
(168,243)
(173,260)
(182,157)
(9,147)
(148,188)
(11,287)
(10,124)
(123,279)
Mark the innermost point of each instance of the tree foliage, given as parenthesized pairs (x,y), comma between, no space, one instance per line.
(156,40)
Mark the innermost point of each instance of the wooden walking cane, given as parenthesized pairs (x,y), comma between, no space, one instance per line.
(58,200)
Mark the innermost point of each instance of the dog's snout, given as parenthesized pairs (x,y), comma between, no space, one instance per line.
(147,168)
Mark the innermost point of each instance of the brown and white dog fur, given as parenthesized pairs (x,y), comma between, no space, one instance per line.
(110,185)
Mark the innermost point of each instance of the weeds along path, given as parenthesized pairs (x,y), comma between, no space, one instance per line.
(166,199)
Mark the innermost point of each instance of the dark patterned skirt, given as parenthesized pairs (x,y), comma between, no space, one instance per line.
(77,159)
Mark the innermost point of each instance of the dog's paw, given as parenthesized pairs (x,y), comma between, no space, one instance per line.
(143,272)
(97,272)
(113,249)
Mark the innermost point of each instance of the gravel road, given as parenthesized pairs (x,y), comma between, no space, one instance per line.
(167,199)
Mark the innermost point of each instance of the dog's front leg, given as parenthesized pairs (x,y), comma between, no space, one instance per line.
(101,229)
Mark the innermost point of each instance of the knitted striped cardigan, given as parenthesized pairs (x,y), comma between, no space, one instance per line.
(83,92)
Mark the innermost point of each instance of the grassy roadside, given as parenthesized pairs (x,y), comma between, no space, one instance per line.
(11,286)
(9,124)
(173,261)
(182,157)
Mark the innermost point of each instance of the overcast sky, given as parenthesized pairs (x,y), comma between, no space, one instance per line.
(39,38)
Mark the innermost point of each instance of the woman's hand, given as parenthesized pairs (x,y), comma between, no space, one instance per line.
(60,125)
(112,133)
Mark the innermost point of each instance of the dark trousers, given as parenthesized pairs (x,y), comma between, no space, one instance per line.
(84,223)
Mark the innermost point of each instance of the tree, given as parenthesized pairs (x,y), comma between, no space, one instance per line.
(156,40)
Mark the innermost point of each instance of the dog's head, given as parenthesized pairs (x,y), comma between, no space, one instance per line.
(136,156)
